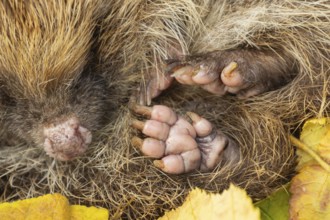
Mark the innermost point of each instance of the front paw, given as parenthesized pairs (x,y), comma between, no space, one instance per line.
(181,144)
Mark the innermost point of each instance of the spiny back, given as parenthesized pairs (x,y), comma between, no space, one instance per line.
(301,28)
(136,32)
(44,44)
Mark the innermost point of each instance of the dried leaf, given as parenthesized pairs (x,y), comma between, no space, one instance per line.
(316,135)
(310,189)
(310,194)
(232,204)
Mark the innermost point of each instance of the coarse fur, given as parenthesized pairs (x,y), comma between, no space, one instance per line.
(44,76)
(133,39)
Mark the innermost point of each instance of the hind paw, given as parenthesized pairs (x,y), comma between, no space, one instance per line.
(241,72)
(181,144)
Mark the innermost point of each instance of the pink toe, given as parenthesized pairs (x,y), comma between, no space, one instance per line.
(216,87)
(185,79)
(163,114)
(203,127)
(153,148)
(173,164)
(182,127)
(156,129)
(204,76)
(233,90)
(192,160)
(177,144)
(232,79)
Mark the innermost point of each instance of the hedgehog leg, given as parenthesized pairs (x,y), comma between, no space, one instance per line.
(181,144)
(242,72)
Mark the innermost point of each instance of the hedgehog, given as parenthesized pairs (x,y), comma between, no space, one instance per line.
(43,68)
(225,83)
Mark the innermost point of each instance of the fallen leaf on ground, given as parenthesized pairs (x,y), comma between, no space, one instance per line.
(232,204)
(316,135)
(79,212)
(310,194)
(49,207)
(310,188)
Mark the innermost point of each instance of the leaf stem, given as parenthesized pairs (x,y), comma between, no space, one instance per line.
(314,155)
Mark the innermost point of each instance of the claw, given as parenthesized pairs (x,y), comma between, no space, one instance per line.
(133,99)
(173,66)
(137,142)
(145,98)
(148,98)
(142,110)
(202,126)
(194,117)
(159,164)
(228,70)
(185,70)
(138,124)
(231,77)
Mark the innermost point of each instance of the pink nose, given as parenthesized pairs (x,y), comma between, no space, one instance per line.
(67,139)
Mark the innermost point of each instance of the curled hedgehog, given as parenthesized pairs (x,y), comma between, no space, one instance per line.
(225,82)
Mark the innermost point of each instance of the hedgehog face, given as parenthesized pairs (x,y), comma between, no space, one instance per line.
(45,98)
(63,119)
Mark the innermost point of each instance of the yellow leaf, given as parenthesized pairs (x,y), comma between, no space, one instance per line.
(316,135)
(314,131)
(48,207)
(79,212)
(232,204)
(310,194)
(310,189)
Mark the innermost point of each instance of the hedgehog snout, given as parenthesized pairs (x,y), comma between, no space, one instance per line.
(67,139)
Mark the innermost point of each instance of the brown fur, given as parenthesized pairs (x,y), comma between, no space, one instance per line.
(133,40)
(43,67)
(56,53)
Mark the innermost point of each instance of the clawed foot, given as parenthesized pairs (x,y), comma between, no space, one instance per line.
(241,72)
(181,144)
(209,78)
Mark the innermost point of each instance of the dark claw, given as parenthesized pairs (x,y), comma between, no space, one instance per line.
(137,142)
(173,65)
(138,124)
(142,110)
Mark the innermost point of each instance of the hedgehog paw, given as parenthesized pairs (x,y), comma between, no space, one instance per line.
(244,73)
(181,144)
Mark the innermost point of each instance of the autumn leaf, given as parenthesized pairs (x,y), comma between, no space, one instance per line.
(310,188)
(316,136)
(79,212)
(310,194)
(49,207)
(232,204)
